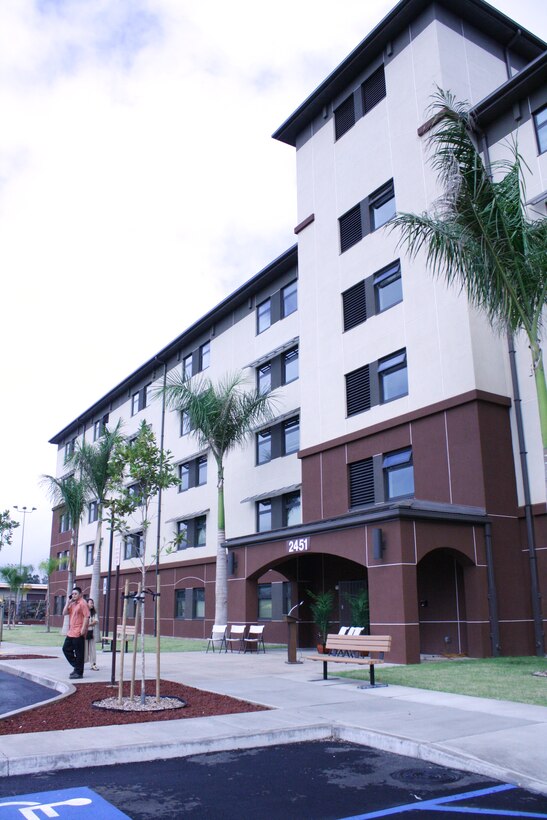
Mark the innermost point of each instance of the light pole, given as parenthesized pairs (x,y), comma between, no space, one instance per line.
(25,511)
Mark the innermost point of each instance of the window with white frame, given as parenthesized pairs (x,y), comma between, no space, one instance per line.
(64,522)
(133,545)
(69,449)
(540,123)
(291,435)
(289,299)
(264,596)
(88,555)
(180,604)
(393,376)
(192,532)
(185,423)
(263,446)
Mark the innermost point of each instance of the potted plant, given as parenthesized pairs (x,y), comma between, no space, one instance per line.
(321,609)
(359,607)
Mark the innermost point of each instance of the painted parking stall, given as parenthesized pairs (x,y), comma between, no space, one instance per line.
(67,804)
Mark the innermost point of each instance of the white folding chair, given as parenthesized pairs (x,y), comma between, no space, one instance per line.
(218,636)
(255,638)
(236,636)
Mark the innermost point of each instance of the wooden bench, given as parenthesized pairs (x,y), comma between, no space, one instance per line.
(129,636)
(357,649)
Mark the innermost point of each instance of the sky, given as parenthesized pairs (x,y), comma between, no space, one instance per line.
(136,161)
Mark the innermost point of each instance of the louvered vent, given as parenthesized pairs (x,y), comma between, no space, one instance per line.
(350,228)
(354,305)
(374,89)
(361,483)
(344,117)
(358,390)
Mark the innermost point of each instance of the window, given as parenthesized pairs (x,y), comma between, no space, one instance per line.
(368,215)
(99,427)
(264,594)
(354,305)
(59,604)
(63,559)
(180,603)
(187,366)
(373,89)
(182,535)
(192,532)
(264,515)
(372,295)
(135,492)
(263,447)
(351,230)
(201,471)
(200,529)
(377,383)
(540,122)
(279,511)
(133,545)
(286,598)
(361,483)
(289,299)
(69,449)
(64,522)
(184,477)
(88,555)
(291,436)
(185,423)
(393,376)
(279,440)
(358,390)
(139,400)
(344,117)
(398,474)
(264,378)
(292,513)
(198,602)
(382,205)
(388,289)
(290,366)
(282,369)
(92,512)
(263,315)
(205,356)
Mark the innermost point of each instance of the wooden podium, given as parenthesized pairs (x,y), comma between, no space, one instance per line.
(292,626)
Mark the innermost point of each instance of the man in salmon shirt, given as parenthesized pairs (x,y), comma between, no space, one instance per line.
(74,645)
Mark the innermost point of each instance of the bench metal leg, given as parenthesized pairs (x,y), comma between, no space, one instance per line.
(324,670)
(372,684)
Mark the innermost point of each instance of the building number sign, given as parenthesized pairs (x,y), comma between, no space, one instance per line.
(298,544)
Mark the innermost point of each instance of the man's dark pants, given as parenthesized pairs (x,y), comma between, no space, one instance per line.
(74,649)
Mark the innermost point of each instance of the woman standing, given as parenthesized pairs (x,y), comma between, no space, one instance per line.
(91,643)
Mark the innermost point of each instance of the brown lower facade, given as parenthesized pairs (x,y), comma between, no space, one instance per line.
(449,568)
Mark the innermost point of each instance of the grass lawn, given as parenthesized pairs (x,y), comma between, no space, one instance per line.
(37,636)
(498,678)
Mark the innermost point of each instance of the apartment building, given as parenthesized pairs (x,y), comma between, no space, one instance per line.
(393,463)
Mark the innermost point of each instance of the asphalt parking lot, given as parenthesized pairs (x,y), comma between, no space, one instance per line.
(319,780)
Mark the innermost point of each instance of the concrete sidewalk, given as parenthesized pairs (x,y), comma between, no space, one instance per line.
(503,740)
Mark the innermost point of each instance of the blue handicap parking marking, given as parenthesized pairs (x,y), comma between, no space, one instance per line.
(67,804)
(445,805)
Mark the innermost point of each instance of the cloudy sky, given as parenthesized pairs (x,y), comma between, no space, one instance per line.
(136,162)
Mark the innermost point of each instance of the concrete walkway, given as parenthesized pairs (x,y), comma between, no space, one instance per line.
(503,740)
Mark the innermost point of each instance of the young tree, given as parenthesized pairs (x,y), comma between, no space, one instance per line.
(94,462)
(148,470)
(48,567)
(73,494)
(7,525)
(479,235)
(221,416)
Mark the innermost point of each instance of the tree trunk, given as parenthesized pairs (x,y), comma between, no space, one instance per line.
(96,572)
(221,581)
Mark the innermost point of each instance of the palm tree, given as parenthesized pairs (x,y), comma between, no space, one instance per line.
(16,578)
(222,417)
(95,464)
(479,236)
(73,494)
(49,566)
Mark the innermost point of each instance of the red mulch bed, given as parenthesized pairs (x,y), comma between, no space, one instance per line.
(23,657)
(76,711)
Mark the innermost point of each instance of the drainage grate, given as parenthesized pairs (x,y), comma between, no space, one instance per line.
(418,777)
